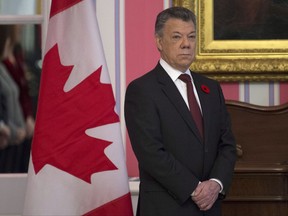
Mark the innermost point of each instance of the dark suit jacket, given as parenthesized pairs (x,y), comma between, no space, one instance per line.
(172,157)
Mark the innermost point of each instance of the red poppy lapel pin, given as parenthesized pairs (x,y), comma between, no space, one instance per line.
(205,89)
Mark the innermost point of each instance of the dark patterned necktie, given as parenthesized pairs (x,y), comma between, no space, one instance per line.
(194,107)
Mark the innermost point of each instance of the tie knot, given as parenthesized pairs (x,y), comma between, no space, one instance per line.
(185,78)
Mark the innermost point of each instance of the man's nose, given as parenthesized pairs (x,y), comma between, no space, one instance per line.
(185,42)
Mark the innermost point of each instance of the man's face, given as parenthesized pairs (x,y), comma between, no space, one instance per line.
(177,43)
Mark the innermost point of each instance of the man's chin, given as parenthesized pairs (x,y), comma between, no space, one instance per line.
(186,59)
(186,63)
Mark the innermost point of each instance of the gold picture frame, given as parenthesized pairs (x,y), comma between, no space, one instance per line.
(235,60)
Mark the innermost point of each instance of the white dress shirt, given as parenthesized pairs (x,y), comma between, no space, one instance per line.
(174,74)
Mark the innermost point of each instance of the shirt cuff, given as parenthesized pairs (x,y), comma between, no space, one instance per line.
(219,182)
(194,191)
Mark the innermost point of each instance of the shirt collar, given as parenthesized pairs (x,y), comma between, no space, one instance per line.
(173,73)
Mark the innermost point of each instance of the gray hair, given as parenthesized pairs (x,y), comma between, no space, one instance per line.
(173,12)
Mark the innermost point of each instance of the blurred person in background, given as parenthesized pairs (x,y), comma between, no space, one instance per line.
(15,157)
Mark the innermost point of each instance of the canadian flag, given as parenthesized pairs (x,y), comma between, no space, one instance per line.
(77,164)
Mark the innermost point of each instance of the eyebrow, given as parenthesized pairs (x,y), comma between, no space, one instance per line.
(176,32)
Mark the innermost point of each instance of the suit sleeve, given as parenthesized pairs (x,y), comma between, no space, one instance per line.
(144,128)
(224,164)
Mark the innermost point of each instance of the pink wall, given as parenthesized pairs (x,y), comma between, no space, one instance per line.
(141,52)
(230,91)
(283,93)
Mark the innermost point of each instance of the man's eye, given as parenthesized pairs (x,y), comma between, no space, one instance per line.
(175,36)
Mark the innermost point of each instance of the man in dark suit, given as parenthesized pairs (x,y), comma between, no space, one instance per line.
(184,170)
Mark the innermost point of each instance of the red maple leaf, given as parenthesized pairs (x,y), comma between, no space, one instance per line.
(63,117)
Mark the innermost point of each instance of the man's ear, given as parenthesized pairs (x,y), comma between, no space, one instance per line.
(158,41)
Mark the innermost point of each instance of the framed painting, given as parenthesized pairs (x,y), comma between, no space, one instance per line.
(241,40)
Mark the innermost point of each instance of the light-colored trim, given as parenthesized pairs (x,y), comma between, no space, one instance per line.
(122,70)
(45,13)
(21,19)
(166,4)
(134,187)
(276,93)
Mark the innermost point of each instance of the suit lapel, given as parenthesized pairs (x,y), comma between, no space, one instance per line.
(171,91)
